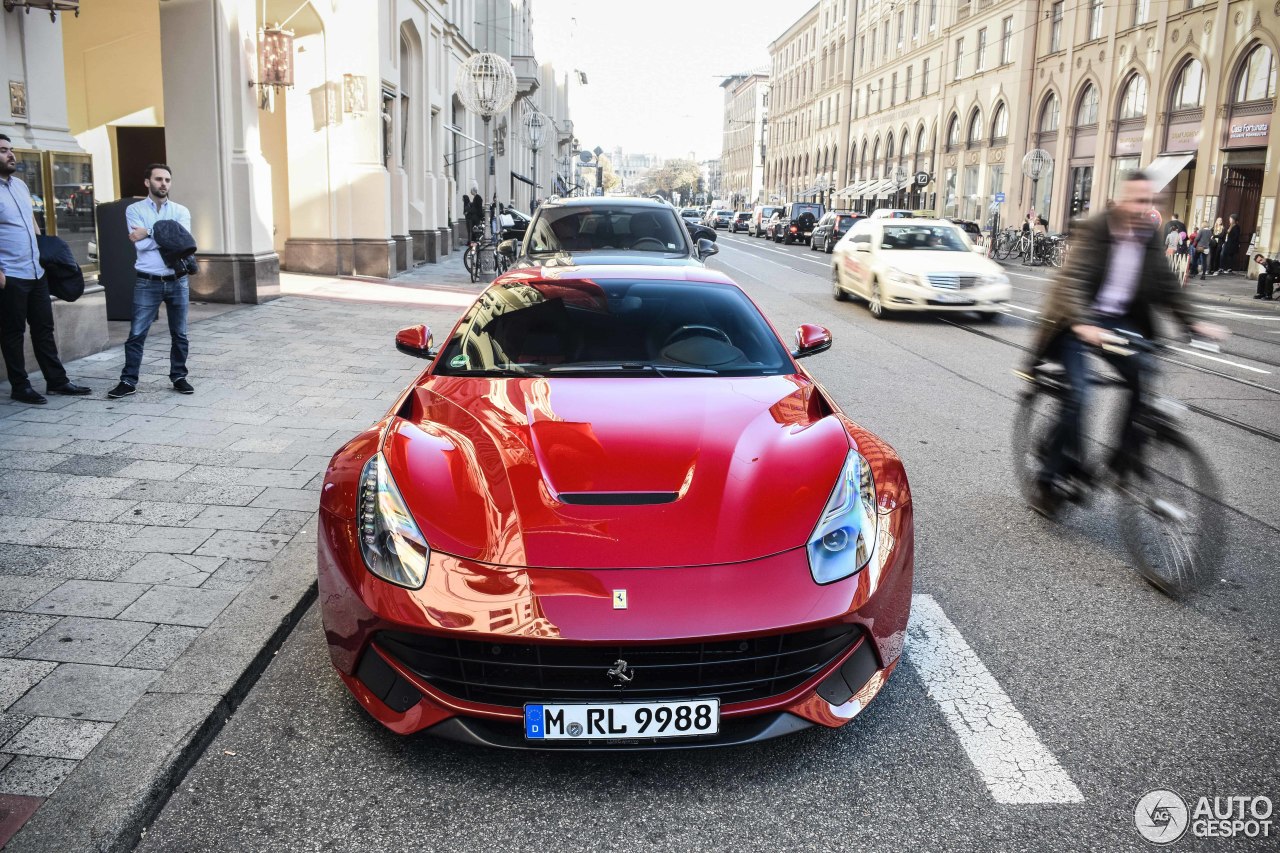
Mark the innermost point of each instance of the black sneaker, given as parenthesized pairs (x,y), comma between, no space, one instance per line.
(182,386)
(124,389)
(1046,501)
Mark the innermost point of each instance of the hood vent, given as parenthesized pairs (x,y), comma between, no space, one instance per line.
(618,498)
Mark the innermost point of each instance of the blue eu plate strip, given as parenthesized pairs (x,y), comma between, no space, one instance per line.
(533,722)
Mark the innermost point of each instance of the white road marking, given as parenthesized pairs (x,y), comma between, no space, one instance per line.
(1226,313)
(1020,308)
(1014,764)
(1220,360)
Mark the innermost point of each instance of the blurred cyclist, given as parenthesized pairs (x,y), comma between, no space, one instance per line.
(1113,282)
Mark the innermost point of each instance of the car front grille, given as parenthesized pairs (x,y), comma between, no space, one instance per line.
(511,673)
(952,281)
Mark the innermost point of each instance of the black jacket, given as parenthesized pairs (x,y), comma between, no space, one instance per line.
(174,242)
(66,281)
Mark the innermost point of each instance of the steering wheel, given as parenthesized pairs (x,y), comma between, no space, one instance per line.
(662,247)
(694,330)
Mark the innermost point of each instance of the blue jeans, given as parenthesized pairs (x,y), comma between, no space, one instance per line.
(147,296)
(1065,453)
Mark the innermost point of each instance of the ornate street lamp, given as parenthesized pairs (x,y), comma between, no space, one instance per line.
(53,7)
(275,63)
(1036,162)
(486,85)
(533,131)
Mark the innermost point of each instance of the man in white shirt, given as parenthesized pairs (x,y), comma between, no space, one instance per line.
(24,291)
(157,283)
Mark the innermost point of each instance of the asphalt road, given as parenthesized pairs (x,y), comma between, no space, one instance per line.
(1127,690)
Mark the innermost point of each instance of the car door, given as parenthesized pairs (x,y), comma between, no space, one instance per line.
(858,265)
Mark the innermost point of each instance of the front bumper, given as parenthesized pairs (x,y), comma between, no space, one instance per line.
(898,296)
(472,601)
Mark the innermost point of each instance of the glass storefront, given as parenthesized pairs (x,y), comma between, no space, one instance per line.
(68,211)
(1080,190)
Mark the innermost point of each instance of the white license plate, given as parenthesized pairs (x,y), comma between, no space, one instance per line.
(622,720)
(954,298)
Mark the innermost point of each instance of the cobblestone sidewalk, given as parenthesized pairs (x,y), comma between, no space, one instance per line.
(128,527)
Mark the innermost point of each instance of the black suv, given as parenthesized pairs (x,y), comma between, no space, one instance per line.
(831,228)
(741,221)
(798,221)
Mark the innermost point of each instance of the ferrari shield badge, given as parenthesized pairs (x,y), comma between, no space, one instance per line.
(619,599)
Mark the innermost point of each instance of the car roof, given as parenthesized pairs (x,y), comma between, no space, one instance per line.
(614,200)
(618,271)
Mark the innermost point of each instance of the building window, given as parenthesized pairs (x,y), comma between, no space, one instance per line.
(982,50)
(907,95)
(1006,42)
(902,26)
(1095,19)
(862,49)
(1087,113)
(953,134)
(975,129)
(972,201)
(1055,28)
(959,55)
(1049,115)
(1257,76)
(1141,12)
(1000,125)
(1133,103)
(921,154)
(933,15)
(924,76)
(893,91)
(873,45)
(915,19)
(880,94)
(1188,90)
(885,51)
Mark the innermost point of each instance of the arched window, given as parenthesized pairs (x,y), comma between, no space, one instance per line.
(905,154)
(1133,102)
(862,164)
(975,128)
(1087,112)
(1000,124)
(920,143)
(953,133)
(1257,80)
(1049,114)
(875,159)
(1188,88)
(888,154)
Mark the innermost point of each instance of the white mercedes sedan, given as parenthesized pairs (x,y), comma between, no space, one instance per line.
(916,265)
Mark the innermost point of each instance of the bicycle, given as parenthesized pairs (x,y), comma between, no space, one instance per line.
(481,257)
(1171,518)
(1005,244)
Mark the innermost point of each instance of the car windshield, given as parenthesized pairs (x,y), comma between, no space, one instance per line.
(798,210)
(936,238)
(744,215)
(585,229)
(613,328)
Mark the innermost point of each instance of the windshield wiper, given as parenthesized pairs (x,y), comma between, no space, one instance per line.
(634,367)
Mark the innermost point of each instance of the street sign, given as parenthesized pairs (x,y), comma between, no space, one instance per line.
(999,198)
(922,178)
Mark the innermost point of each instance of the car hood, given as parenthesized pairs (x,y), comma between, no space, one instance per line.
(701,470)
(583,259)
(916,262)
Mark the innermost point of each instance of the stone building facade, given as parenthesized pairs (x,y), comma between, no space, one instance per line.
(741,157)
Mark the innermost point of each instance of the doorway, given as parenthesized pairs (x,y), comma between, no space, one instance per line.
(1241,194)
(136,148)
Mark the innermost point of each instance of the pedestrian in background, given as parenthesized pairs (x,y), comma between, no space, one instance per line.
(1216,246)
(1268,275)
(1230,246)
(156,283)
(1200,248)
(24,291)
(473,210)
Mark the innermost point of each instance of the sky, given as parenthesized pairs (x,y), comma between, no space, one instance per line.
(654,68)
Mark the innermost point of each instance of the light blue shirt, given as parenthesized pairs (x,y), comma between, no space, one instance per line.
(19,252)
(1121,282)
(145,213)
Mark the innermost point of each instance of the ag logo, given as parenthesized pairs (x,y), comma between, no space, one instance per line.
(1161,817)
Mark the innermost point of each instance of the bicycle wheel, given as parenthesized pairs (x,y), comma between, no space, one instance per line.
(1171,519)
(472,262)
(1032,426)
(1003,247)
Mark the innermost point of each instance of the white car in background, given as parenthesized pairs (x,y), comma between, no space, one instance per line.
(916,265)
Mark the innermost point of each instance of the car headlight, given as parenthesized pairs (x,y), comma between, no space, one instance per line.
(995,278)
(904,278)
(393,547)
(845,535)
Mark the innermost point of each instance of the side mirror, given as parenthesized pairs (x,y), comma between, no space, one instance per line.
(706,248)
(415,341)
(509,248)
(811,340)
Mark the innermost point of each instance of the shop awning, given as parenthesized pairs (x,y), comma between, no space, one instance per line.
(1165,168)
(523,179)
(883,188)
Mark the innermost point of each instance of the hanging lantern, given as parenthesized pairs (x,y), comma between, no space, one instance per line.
(53,7)
(486,84)
(275,57)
